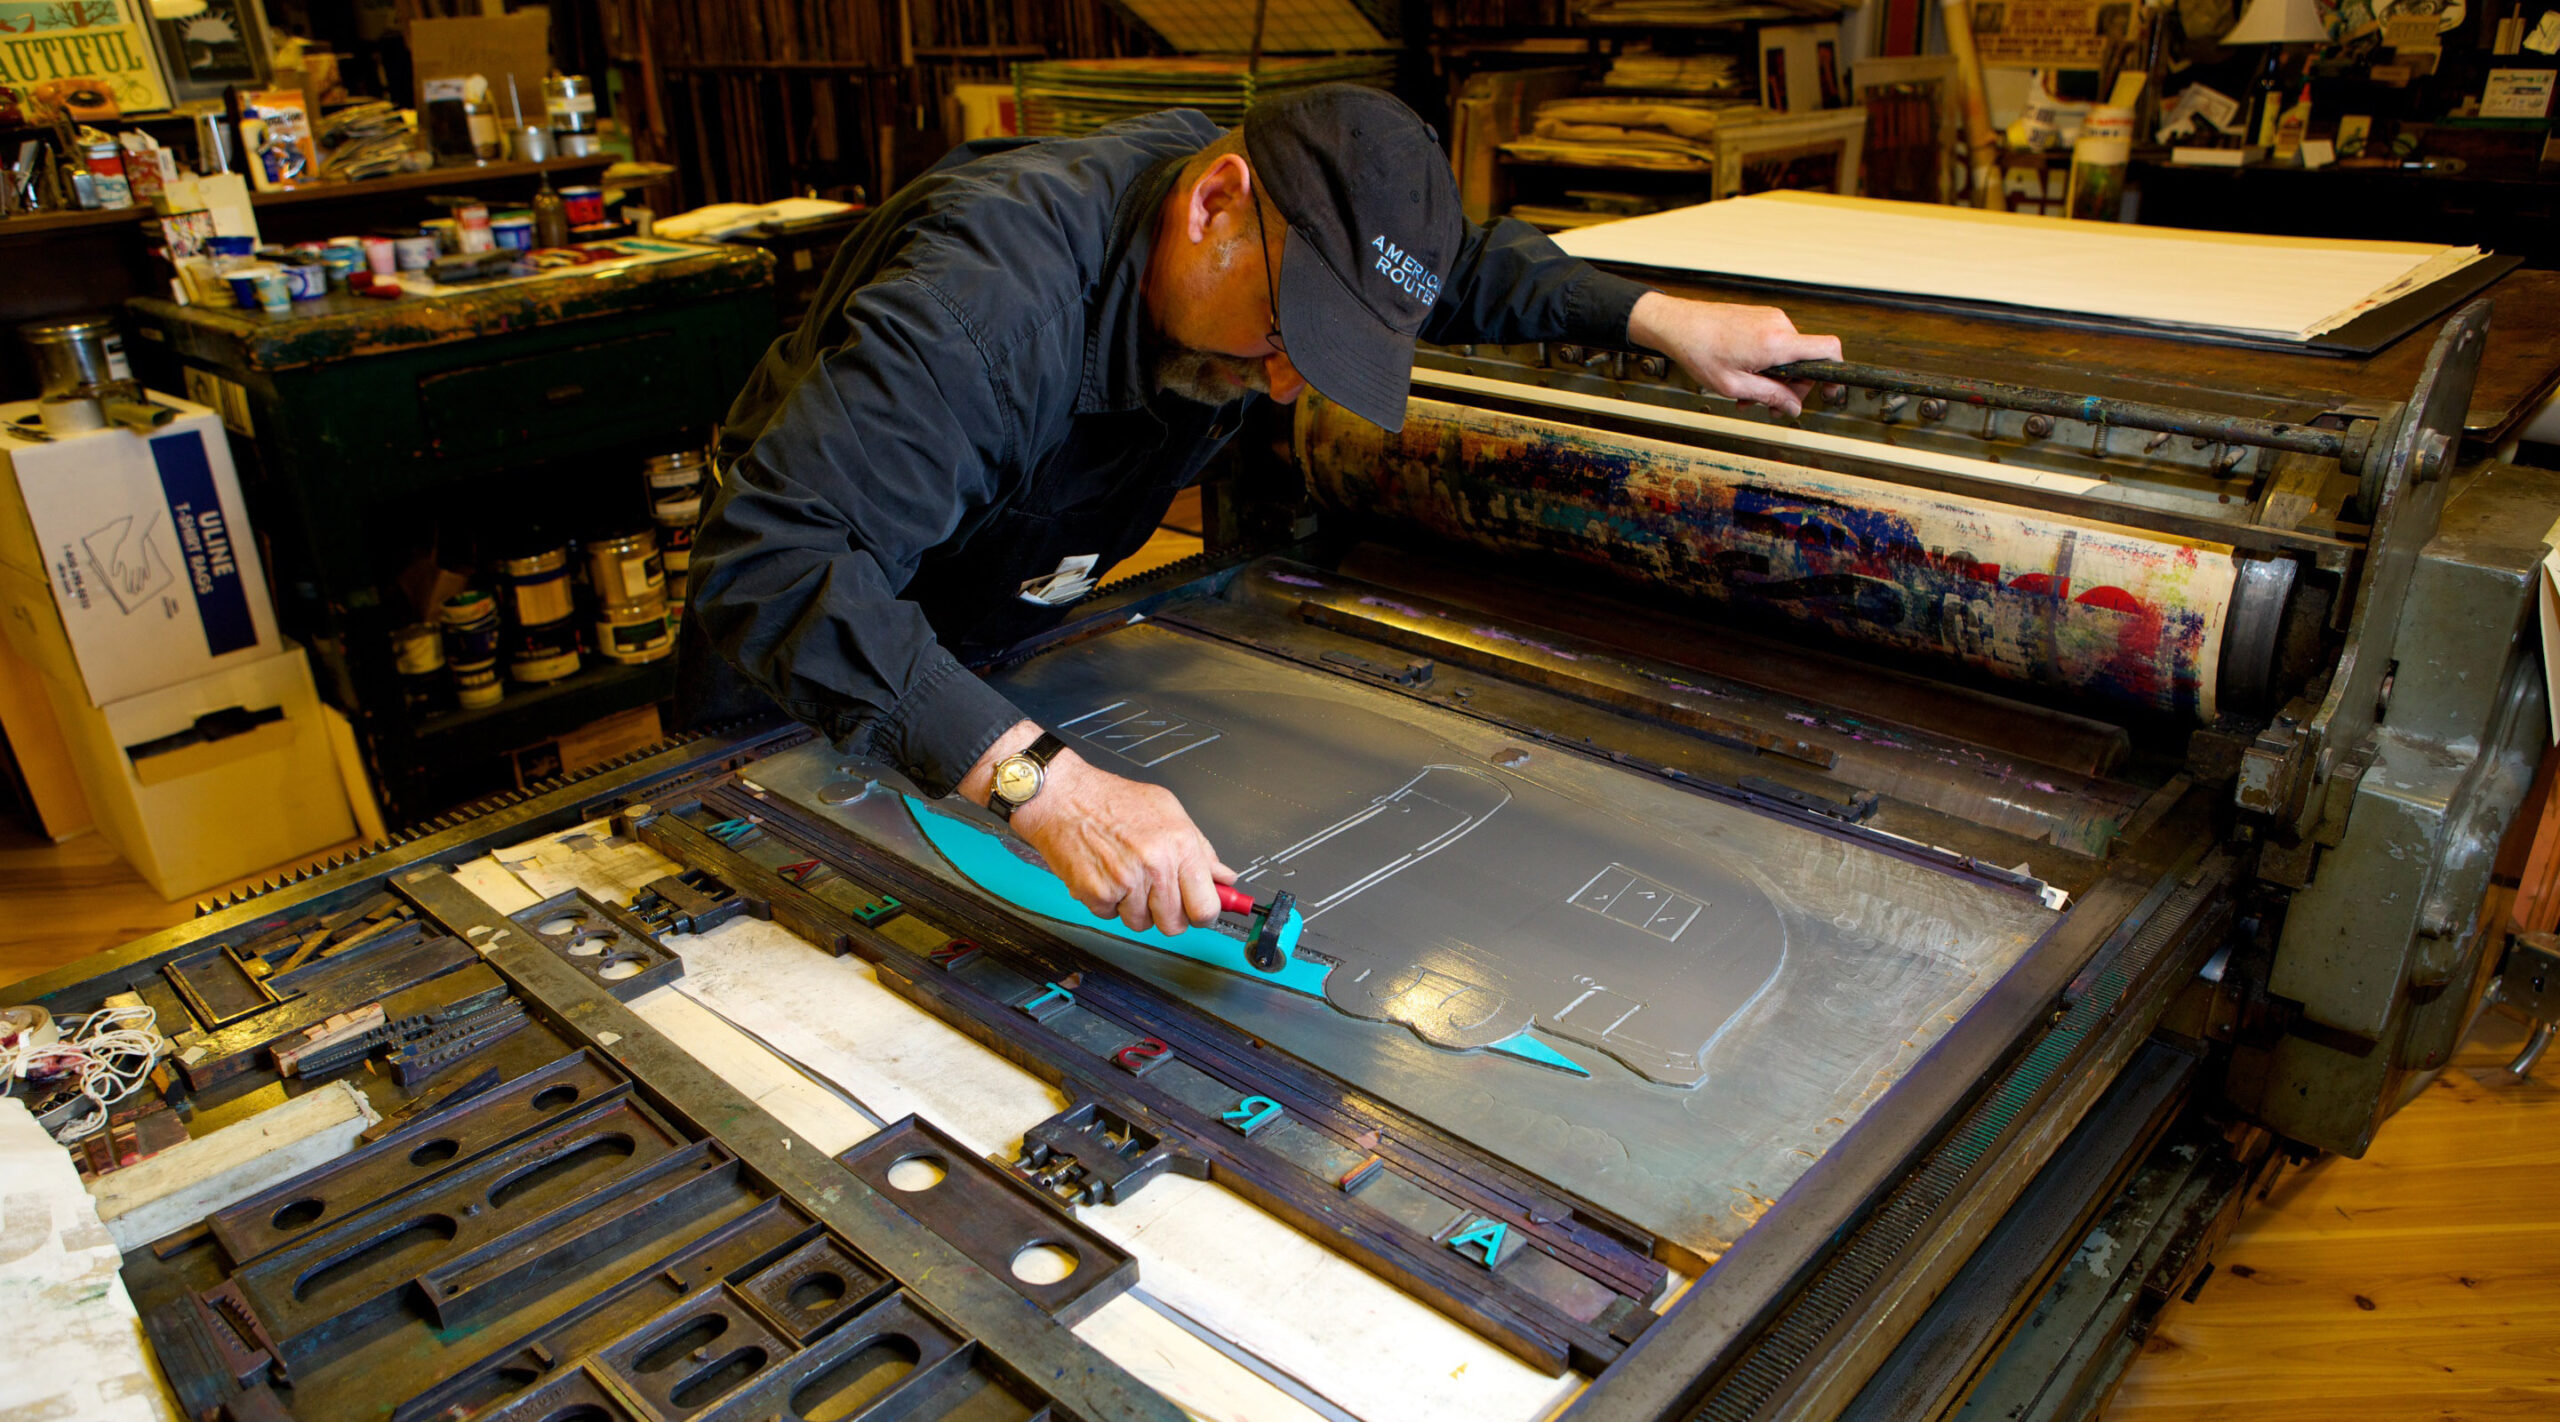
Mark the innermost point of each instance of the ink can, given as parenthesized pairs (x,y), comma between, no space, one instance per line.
(625,568)
(471,632)
(537,585)
(417,657)
(634,632)
(543,652)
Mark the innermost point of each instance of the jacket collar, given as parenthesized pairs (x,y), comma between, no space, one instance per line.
(1117,334)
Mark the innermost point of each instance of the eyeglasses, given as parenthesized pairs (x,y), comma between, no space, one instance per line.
(1273,335)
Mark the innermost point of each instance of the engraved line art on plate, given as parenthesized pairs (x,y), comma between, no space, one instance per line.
(1638,901)
(1395,832)
(1139,736)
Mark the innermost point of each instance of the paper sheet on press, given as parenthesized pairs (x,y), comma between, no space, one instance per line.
(2293,289)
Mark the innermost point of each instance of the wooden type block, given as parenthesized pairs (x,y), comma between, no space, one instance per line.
(184,1183)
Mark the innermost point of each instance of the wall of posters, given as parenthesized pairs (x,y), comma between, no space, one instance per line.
(71,53)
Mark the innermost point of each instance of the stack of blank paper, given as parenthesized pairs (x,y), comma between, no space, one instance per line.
(1076,96)
(2281,288)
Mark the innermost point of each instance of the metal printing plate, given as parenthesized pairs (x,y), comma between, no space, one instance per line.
(1736,988)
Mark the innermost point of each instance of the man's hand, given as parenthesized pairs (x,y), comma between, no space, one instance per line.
(1125,848)
(1726,347)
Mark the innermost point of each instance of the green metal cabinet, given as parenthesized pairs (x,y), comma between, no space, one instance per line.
(484,409)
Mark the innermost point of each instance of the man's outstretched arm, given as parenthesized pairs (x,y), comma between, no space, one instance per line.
(1511,282)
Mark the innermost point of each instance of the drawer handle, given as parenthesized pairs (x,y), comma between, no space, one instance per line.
(563,394)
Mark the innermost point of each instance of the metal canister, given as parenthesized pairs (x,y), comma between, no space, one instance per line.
(569,106)
(417,655)
(676,473)
(471,632)
(625,568)
(80,356)
(477,687)
(537,585)
(675,550)
(543,652)
(677,483)
(634,632)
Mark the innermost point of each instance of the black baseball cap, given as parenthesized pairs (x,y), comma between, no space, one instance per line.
(1374,224)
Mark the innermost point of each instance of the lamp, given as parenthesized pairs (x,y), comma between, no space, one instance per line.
(2279,22)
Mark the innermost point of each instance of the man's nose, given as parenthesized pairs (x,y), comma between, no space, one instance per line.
(1284,378)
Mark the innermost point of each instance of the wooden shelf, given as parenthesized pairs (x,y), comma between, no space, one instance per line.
(528,714)
(432,178)
(37,224)
(33,223)
(855,68)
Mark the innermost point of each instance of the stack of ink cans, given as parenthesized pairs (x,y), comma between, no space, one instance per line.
(678,482)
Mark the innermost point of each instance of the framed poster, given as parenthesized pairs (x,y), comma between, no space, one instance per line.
(2048,34)
(74,54)
(223,44)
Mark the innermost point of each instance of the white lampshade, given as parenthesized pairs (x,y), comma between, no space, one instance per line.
(2279,22)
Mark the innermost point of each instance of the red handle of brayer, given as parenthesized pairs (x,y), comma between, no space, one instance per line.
(1234,900)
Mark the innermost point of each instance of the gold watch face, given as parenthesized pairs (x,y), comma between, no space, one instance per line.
(1017,779)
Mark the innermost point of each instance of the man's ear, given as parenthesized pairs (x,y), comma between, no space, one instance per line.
(1222,187)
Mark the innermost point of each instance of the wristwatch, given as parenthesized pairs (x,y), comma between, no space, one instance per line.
(1020,775)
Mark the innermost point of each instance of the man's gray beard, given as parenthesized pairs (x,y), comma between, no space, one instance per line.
(1207,377)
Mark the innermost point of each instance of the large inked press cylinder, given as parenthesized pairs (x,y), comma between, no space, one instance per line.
(2135,618)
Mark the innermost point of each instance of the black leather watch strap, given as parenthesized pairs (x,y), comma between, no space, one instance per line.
(1039,753)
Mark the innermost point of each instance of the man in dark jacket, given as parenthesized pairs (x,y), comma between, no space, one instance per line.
(1025,353)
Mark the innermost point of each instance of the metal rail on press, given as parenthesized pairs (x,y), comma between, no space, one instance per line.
(2343,445)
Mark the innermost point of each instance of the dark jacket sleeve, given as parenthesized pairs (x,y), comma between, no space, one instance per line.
(875,458)
(1511,282)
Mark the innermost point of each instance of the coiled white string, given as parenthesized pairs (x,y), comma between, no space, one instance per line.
(113,1048)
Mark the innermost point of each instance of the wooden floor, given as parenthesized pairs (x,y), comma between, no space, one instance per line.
(64,901)
(2422,1281)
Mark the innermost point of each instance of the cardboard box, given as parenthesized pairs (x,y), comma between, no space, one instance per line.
(203,782)
(35,742)
(491,46)
(144,548)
